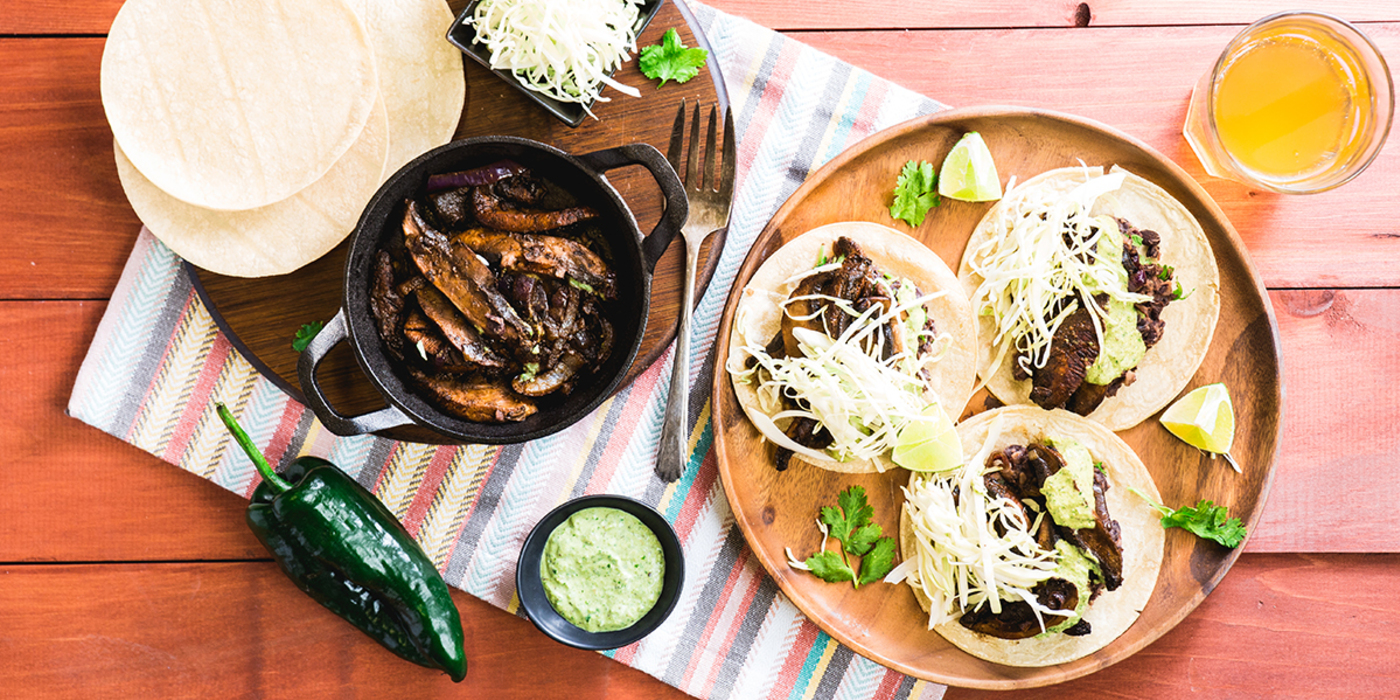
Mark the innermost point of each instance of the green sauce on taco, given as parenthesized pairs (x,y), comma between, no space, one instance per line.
(1029,554)
(845,338)
(1074,276)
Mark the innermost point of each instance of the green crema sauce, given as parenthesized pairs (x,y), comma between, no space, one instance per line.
(602,569)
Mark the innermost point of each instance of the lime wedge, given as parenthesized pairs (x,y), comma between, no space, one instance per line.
(968,173)
(1204,419)
(930,445)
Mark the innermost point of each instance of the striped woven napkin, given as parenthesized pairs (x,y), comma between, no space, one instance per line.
(158,363)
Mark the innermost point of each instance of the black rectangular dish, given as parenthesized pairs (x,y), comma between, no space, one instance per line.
(463,36)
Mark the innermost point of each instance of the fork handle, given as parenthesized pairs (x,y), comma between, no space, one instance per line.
(673,453)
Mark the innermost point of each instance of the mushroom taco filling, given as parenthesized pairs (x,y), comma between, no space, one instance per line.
(849,337)
(1032,553)
(1097,293)
(497,295)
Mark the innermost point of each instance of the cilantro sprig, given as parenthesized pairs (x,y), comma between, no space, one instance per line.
(1205,520)
(305,334)
(671,59)
(915,192)
(849,524)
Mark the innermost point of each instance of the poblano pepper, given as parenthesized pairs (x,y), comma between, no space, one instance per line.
(341,546)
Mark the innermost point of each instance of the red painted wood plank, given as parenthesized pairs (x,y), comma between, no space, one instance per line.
(1285,626)
(1339,448)
(53,17)
(241,630)
(67,225)
(71,493)
(94,16)
(943,14)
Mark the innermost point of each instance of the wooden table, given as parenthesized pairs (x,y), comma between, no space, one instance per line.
(121,576)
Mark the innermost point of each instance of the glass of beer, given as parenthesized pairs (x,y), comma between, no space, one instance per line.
(1299,102)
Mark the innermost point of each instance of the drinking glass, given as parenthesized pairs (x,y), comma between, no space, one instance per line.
(1298,102)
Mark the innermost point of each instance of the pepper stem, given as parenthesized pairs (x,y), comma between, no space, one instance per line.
(278,484)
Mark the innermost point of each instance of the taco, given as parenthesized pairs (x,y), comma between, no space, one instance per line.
(1052,528)
(1097,293)
(847,339)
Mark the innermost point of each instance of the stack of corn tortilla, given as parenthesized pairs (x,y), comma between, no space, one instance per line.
(250,135)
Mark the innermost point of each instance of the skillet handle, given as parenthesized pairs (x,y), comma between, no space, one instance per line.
(333,334)
(677,204)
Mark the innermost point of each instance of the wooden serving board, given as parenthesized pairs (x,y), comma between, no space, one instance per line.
(777,509)
(261,316)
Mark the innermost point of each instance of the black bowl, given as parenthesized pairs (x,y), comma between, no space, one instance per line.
(634,258)
(537,606)
(463,36)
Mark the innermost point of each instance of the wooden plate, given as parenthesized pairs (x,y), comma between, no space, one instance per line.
(778,509)
(261,316)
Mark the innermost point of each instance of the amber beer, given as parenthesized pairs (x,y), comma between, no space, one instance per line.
(1297,103)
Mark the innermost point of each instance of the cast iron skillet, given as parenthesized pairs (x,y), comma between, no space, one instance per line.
(634,259)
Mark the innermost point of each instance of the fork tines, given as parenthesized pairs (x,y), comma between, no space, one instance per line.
(708,177)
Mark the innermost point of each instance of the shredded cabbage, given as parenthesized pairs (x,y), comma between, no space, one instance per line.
(561,49)
(864,400)
(1044,258)
(960,562)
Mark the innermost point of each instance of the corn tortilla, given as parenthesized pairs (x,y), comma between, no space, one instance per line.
(758,316)
(1112,612)
(271,240)
(420,73)
(234,106)
(422,93)
(1190,322)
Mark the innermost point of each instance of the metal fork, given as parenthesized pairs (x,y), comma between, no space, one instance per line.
(710,191)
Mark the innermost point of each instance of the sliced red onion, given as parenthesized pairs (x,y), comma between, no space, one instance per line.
(484,175)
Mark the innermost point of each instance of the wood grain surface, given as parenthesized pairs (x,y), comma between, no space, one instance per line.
(89,523)
(241,630)
(94,16)
(135,631)
(775,509)
(973,14)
